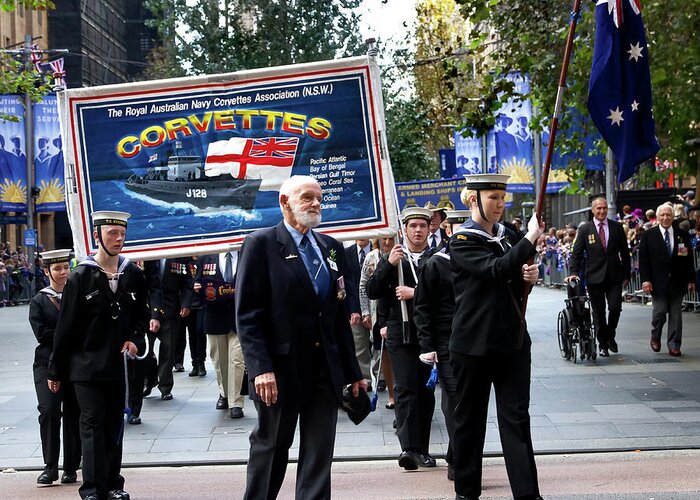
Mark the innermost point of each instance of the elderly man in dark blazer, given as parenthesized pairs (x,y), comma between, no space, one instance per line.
(603,243)
(667,272)
(297,343)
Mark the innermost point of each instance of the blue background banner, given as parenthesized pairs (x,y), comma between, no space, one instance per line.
(154,152)
(13,162)
(48,157)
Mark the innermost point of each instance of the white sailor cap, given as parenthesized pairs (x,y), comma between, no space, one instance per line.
(55,256)
(478,182)
(416,213)
(458,216)
(109,218)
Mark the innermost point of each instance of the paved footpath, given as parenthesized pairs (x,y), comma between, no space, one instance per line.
(636,400)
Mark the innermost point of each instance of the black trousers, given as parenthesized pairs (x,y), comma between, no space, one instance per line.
(606,325)
(179,341)
(194,323)
(101,427)
(316,411)
(448,385)
(415,403)
(510,377)
(52,409)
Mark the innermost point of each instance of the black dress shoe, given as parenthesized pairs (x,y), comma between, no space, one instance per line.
(134,420)
(409,460)
(166,396)
(612,345)
(118,495)
(381,386)
(604,352)
(462,497)
(194,372)
(179,367)
(48,476)
(221,403)
(426,460)
(147,391)
(236,412)
(202,370)
(92,496)
(69,477)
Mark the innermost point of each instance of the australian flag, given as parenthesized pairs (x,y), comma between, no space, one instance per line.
(619,93)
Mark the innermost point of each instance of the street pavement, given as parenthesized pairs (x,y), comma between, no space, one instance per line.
(587,414)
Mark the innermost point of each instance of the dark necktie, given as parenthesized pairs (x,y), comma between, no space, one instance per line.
(314,266)
(362,256)
(667,240)
(601,234)
(433,241)
(228,269)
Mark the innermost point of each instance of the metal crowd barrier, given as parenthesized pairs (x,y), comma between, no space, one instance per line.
(17,289)
(553,277)
(4,292)
(633,291)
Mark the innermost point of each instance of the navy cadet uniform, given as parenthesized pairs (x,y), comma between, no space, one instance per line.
(488,347)
(43,316)
(433,309)
(93,325)
(415,403)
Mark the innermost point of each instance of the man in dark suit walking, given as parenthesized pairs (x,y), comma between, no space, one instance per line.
(297,343)
(667,272)
(217,274)
(355,255)
(607,269)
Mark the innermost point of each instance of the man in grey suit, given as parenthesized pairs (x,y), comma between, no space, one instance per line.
(297,343)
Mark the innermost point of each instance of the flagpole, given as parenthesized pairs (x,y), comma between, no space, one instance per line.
(558,106)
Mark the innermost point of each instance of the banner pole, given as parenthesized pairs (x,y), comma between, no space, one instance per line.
(558,106)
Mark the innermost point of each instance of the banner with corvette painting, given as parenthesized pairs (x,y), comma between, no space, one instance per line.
(198,161)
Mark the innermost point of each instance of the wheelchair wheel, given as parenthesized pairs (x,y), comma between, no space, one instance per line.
(563,335)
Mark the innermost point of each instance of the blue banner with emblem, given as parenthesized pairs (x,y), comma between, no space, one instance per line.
(13,159)
(199,161)
(48,157)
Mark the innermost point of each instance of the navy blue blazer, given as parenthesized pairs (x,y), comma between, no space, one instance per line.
(281,322)
(219,318)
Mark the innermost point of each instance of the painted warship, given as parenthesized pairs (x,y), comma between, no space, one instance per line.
(184,180)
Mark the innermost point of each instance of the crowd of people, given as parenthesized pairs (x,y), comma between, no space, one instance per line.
(16,276)
(305,326)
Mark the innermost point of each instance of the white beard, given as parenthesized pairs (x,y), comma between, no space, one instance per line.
(306,219)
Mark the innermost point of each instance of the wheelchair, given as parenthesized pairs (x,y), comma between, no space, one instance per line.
(575,329)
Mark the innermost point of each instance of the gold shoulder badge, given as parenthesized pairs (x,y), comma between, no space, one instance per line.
(462,237)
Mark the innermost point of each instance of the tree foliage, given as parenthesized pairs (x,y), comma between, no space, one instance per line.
(529,36)
(211,36)
(15,76)
(441,73)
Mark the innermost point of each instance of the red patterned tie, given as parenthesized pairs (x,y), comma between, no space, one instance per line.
(601,234)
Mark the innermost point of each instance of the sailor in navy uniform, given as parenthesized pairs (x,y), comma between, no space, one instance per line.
(414,402)
(433,309)
(43,315)
(103,314)
(490,345)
